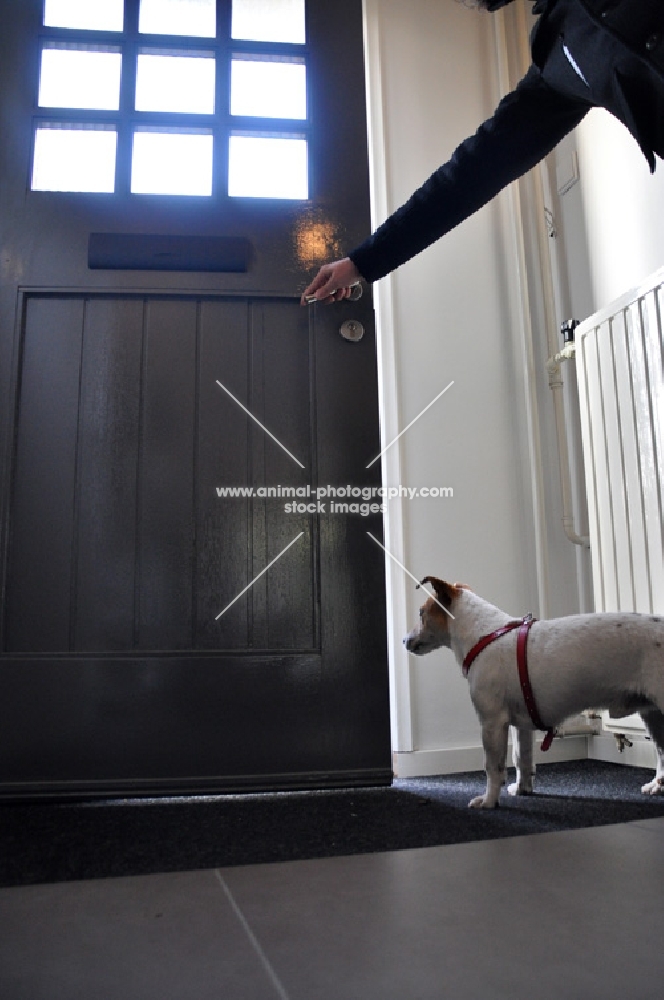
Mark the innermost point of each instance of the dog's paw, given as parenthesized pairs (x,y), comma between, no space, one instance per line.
(519,788)
(654,787)
(482,802)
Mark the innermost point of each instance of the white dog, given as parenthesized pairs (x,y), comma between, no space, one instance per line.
(535,677)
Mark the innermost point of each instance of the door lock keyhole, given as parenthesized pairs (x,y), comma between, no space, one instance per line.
(352,330)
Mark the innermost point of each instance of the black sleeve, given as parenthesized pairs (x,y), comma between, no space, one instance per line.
(526,125)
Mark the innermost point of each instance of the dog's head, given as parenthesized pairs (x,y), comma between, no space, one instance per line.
(436,617)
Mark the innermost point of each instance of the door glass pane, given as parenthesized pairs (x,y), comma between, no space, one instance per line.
(97,15)
(79,76)
(268,87)
(269,20)
(177,83)
(267,167)
(74,158)
(178,17)
(171,161)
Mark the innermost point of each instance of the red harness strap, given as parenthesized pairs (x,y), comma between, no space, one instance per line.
(524,625)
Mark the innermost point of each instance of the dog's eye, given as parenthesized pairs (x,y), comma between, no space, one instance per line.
(421,614)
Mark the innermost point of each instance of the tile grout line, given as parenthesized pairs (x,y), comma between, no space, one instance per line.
(647,829)
(272,976)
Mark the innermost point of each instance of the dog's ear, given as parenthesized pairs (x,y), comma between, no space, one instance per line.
(445,592)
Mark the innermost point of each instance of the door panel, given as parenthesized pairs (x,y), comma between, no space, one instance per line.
(140,552)
(223,529)
(118,670)
(38,590)
(166,476)
(105,487)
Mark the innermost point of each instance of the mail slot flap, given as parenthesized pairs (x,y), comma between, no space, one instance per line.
(141,252)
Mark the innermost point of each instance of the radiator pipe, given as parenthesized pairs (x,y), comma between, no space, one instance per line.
(556,384)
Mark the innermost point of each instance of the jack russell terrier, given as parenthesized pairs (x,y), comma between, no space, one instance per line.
(534,674)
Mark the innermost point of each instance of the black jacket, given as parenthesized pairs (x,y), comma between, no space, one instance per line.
(586,53)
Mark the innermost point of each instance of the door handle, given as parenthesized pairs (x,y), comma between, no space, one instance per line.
(355,294)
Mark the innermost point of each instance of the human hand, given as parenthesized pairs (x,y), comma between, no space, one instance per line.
(333,282)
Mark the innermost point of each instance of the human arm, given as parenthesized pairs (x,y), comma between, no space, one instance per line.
(527,124)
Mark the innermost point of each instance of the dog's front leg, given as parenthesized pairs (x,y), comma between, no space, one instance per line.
(494,740)
(522,754)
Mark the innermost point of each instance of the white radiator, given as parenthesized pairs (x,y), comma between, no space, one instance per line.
(620,371)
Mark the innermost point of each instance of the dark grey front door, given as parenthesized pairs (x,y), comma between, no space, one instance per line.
(179,610)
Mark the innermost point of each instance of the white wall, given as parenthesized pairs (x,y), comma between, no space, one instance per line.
(453,313)
(614,215)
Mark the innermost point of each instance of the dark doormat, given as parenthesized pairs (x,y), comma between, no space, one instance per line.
(56,842)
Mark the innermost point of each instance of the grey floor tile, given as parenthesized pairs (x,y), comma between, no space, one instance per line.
(654,825)
(573,915)
(167,937)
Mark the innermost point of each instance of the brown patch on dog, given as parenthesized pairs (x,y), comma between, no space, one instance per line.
(445,592)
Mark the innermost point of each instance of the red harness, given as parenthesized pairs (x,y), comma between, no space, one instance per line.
(524,625)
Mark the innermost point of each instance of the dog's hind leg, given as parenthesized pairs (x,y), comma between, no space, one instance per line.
(494,740)
(654,720)
(522,755)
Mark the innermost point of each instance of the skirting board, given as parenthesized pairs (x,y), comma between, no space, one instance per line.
(640,754)
(421,763)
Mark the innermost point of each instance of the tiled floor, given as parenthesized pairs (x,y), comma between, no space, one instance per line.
(563,915)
